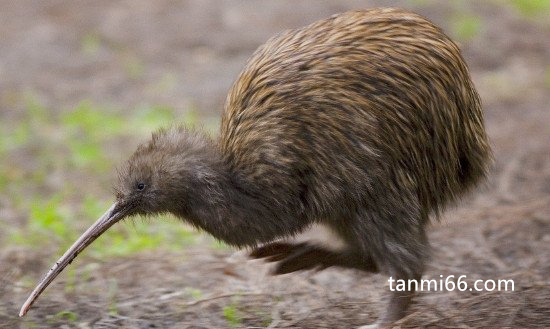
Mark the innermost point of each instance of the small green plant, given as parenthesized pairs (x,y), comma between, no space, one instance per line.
(232,315)
(47,218)
(147,117)
(466,26)
(88,127)
(90,44)
(90,120)
(194,293)
(87,153)
(66,316)
(532,8)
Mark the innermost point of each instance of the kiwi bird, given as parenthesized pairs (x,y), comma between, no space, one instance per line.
(366,122)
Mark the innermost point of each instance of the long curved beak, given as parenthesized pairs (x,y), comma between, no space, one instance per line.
(113,215)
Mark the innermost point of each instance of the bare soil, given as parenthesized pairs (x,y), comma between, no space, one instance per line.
(502,232)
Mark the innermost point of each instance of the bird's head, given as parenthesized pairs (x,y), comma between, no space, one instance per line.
(162,172)
(157,178)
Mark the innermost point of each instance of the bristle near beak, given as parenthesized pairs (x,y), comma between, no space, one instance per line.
(115,213)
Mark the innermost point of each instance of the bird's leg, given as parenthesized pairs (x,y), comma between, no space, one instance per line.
(397,241)
(293,257)
(399,301)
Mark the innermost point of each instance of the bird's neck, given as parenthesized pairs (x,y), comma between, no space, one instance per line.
(233,209)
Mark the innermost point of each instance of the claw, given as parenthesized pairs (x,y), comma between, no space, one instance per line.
(295,257)
(274,249)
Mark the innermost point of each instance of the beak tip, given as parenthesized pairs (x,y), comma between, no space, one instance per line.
(26,306)
(101,225)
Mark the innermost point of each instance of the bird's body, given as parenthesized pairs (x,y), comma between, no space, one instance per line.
(366,112)
(366,122)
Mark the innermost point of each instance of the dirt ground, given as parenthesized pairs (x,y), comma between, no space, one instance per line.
(502,232)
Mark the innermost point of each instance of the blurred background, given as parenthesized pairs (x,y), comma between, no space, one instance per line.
(83,82)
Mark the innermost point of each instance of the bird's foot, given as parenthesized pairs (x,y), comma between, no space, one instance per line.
(371,326)
(378,325)
(292,257)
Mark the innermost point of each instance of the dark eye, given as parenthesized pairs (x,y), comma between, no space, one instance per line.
(140,186)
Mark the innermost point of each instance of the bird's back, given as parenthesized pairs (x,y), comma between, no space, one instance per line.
(362,105)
